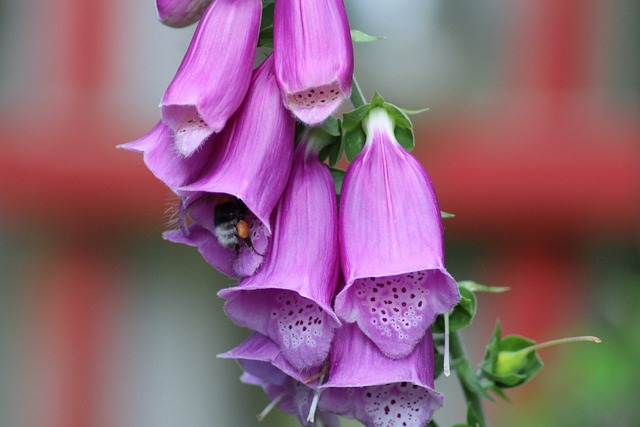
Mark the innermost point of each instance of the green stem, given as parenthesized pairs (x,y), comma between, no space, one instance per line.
(357,98)
(458,352)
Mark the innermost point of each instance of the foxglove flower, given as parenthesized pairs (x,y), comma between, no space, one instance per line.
(215,73)
(180,13)
(289,299)
(313,55)
(391,244)
(247,174)
(293,390)
(378,391)
(164,162)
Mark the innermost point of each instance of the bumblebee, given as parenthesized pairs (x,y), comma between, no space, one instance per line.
(231,226)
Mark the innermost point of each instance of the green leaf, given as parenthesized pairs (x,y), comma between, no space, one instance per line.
(445,215)
(500,392)
(432,424)
(462,314)
(338,177)
(333,150)
(477,287)
(265,37)
(358,36)
(470,379)
(331,126)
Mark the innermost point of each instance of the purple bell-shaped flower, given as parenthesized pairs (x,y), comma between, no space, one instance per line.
(391,244)
(313,55)
(214,75)
(289,298)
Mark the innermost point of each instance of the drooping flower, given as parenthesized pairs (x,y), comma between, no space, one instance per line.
(366,385)
(289,299)
(391,244)
(242,184)
(180,13)
(291,389)
(214,75)
(313,55)
(160,156)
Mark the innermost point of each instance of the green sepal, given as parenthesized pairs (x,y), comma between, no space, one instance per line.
(506,361)
(500,392)
(445,215)
(470,379)
(477,287)
(358,36)
(331,126)
(338,177)
(333,150)
(354,136)
(265,37)
(461,315)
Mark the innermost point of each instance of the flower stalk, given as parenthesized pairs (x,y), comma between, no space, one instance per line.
(457,349)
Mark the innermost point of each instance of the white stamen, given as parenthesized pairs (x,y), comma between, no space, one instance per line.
(447,366)
(261,416)
(314,405)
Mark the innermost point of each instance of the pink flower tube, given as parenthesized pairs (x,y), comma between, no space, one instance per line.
(244,180)
(289,298)
(391,244)
(180,13)
(214,75)
(313,55)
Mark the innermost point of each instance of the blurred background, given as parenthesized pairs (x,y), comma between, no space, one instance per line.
(532,141)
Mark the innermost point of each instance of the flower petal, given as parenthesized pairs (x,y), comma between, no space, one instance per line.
(164,162)
(263,364)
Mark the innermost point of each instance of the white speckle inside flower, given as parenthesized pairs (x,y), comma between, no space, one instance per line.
(397,405)
(317,96)
(301,327)
(395,305)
